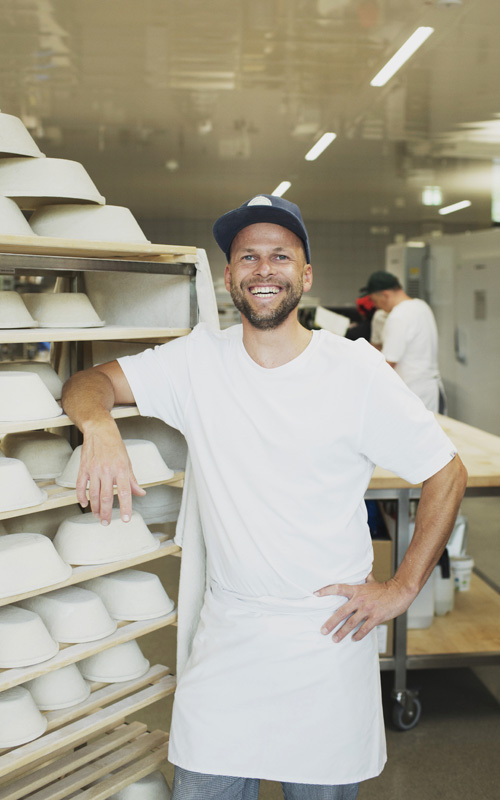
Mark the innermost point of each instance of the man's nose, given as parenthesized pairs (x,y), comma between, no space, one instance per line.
(264,267)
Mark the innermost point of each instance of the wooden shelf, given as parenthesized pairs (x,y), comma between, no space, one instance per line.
(80,248)
(119,412)
(59,496)
(472,627)
(89,762)
(85,573)
(58,740)
(107,333)
(70,654)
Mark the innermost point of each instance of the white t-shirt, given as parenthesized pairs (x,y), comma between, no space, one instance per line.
(377,327)
(281,460)
(410,340)
(282,457)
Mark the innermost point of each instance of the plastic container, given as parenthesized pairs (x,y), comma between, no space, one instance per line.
(421,612)
(151,787)
(29,561)
(24,639)
(124,662)
(34,182)
(147,463)
(82,539)
(132,594)
(462,567)
(62,310)
(45,454)
(72,615)
(62,688)
(92,223)
(13,312)
(17,487)
(24,397)
(444,586)
(20,719)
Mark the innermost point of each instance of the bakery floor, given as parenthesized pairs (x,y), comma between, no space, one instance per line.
(453,751)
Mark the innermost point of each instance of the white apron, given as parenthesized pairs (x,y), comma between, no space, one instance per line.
(266,695)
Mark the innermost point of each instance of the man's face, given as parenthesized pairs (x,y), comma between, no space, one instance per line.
(267,274)
(381,300)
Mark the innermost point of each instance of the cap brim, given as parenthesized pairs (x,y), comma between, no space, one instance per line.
(230,224)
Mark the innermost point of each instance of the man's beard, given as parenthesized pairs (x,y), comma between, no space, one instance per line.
(267,320)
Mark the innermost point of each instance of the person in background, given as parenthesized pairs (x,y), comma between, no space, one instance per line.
(410,337)
(377,328)
(284,427)
(361,329)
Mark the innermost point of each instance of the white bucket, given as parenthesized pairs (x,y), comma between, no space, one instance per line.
(462,570)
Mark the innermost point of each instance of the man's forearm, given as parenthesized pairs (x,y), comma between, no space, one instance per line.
(88,398)
(436,514)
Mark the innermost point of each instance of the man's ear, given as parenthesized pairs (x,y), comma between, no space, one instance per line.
(227,277)
(308,277)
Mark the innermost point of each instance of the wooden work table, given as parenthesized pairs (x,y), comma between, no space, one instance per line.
(479,450)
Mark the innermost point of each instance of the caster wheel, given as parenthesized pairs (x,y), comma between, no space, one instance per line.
(405,718)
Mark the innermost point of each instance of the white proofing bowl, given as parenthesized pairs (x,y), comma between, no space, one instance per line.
(72,614)
(24,397)
(147,464)
(152,787)
(15,138)
(47,373)
(46,522)
(124,662)
(17,487)
(29,561)
(92,223)
(12,220)
(62,688)
(62,310)
(132,594)
(45,454)
(159,504)
(82,539)
(13,312)
(20,719)
(24,639)
(34,182)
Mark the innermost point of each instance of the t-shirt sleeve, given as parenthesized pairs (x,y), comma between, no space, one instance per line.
(394,343)
(398,433)
(159,380)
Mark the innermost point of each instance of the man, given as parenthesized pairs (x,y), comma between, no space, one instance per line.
(284,426)
(410,338)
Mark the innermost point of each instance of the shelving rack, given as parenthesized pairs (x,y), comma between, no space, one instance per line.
(84,744)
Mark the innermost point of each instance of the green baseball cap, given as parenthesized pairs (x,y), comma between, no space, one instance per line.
(378,282)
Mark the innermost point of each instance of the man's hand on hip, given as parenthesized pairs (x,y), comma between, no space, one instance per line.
(368,605)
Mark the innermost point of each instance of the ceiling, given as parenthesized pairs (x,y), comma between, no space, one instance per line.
(185,108)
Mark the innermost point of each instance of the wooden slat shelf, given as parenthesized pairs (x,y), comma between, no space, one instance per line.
(59,496)
(80,248)
(74,760)
(85,573)
(70,654)
(472,627)
(58,741)
(108,333)
(119,412)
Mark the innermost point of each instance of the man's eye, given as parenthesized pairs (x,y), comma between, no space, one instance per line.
(281,257)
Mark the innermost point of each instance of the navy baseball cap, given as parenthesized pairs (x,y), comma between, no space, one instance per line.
(262,208)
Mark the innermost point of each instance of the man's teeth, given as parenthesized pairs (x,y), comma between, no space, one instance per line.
(264,290)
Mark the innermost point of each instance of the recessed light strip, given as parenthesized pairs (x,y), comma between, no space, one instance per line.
(281,189)
(399,58)
(455,207)
(320,146)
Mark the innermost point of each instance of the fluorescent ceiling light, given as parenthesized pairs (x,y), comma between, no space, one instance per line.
(455,207)
(320,145)
(281,189)
(415,244)
(432,196)
(401,57)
